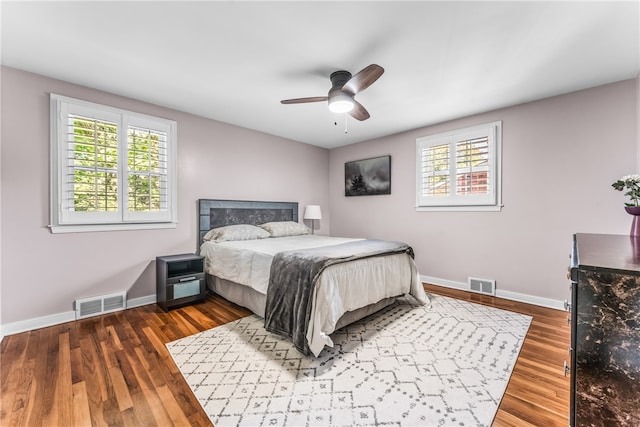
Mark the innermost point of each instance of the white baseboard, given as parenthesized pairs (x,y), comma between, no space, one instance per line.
(37,323)
(56,319)
(513,296)
(69,316)
(137,302)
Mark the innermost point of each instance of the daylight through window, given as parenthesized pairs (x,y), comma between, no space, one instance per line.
(460,169)
(111,169)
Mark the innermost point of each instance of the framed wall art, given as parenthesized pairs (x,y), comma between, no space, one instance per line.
(368,177)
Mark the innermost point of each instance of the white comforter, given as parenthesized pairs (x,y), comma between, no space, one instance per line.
(248,262)
(339,289)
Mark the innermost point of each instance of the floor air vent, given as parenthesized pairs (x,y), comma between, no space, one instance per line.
(483,286)
(87,307)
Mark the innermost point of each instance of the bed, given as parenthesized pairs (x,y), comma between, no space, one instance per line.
(321,283)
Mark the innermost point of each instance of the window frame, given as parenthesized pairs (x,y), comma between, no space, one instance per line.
(492,201)
(64,220)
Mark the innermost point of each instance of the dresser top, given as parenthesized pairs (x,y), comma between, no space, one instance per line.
(608,251)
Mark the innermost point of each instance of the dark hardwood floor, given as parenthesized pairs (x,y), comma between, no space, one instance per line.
(115,369)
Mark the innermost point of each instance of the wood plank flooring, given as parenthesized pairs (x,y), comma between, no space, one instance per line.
(115,369)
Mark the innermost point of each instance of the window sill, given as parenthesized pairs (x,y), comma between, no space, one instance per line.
(84,228)
(495,208)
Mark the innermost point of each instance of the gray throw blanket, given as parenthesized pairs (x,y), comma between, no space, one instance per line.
(293,277)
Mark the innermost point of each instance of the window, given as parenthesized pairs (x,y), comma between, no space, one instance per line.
(459,170)
(110,169)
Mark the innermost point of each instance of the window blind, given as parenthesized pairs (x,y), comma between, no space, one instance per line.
(147,169)
(472,166)
(459,168)
(110,167)
(92,159)
(435,170)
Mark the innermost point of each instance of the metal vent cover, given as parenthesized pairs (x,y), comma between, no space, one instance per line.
(93,306)
(483,286)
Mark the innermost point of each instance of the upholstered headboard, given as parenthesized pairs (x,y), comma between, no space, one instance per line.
(214,213)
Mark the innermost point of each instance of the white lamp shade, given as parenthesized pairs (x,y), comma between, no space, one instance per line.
(340,103)
(312,212)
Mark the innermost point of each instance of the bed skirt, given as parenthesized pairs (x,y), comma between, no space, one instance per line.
(255,301)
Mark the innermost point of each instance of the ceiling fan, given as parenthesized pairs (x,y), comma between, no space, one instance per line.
(344,87)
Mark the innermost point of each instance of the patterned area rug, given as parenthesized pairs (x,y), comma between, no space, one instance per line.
(448,364)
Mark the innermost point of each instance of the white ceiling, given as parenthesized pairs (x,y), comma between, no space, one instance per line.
(234,61)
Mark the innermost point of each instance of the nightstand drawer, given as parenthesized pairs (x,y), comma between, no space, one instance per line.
(186,278)
(184,289)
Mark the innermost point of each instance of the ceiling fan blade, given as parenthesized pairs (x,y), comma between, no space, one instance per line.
(359,112)
(363,79)
(303,100)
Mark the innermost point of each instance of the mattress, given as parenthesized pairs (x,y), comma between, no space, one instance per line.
(248,262)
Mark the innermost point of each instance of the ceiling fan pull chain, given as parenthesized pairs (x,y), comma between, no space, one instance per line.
(345,124)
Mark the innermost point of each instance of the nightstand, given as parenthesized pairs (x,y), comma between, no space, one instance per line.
(179,280)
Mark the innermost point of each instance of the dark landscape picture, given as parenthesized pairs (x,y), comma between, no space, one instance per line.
(368,177)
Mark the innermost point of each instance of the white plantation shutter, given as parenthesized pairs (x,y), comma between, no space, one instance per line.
(472,166)
(435,165)
(89,166)
(147,172)
(460,168)
(109,167)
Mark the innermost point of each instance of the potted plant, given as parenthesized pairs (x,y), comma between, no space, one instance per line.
(631,183)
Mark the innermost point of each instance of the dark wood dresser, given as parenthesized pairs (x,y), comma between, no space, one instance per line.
(605,330)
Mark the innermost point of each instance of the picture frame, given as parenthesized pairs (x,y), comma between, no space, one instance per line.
(368,177)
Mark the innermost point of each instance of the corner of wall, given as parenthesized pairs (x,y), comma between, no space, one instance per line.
(638,122)
(1,299)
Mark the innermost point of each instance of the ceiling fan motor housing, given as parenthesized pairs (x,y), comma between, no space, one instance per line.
(339,78)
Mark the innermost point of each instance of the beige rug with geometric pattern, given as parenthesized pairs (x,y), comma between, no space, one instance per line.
(448,364)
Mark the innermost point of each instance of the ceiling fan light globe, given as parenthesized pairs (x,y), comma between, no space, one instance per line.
(340,105)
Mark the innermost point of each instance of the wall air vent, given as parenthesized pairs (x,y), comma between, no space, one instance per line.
(482,286)
(87,307)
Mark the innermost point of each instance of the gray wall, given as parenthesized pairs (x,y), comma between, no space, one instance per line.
(560,157)
(43,273)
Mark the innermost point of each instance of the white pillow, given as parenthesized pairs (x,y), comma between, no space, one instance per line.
(235,232)
(285,228)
